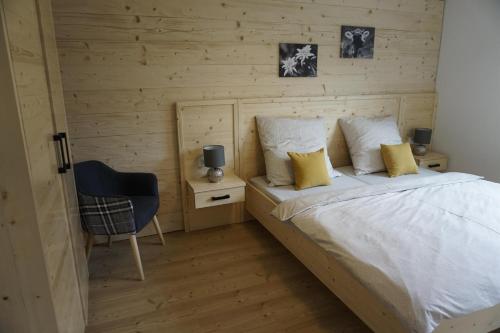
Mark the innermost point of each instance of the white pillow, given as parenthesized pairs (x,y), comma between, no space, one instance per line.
(364,137)
(279,135)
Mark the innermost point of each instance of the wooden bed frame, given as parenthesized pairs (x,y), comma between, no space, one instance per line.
(232,123)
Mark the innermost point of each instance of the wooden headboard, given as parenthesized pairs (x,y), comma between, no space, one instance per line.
(232,124)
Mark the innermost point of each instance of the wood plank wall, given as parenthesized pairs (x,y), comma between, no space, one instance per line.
(126,62)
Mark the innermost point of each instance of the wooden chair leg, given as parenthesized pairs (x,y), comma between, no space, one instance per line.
(158,230)
(137,255)
(88,247)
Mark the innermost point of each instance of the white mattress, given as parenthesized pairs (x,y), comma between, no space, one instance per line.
(282,193)
(349,180)
(383,177)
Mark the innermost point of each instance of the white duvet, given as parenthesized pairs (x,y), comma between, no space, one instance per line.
(430,247)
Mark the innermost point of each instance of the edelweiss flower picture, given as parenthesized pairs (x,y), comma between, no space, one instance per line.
(298,60)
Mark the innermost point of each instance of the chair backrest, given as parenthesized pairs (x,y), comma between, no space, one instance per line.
(96,178)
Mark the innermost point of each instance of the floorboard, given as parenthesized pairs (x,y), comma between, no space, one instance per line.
(235,278)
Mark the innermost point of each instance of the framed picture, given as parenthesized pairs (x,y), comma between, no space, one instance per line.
(357,42)
(298,60)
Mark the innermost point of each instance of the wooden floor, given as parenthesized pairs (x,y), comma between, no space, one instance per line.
(229,279)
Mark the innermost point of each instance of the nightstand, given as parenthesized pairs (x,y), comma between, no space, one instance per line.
(432,160)
(205,194)
(213,204)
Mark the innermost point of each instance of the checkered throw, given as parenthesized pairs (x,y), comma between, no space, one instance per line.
(106,215)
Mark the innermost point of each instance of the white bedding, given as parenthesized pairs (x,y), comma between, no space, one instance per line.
(282,193)
(429,247)
(383,177)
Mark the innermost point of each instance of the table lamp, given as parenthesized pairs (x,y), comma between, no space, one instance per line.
(421,138)
(213,156)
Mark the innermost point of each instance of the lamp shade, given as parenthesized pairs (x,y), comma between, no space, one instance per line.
(213,155)
(422,136)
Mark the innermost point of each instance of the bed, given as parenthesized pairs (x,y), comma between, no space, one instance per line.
(376,311)
(245,156)
(324,239)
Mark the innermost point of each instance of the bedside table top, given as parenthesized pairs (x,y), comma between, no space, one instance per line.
(203,185)
(432,155)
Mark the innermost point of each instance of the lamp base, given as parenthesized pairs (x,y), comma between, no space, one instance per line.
(419,150)
(215,175)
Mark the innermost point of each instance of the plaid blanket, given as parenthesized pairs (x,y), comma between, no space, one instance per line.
(106,215)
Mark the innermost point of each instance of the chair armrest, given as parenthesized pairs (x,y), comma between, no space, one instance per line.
(111,215)
(138,184)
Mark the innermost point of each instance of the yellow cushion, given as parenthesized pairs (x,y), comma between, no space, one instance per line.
(398,159)
(309,169)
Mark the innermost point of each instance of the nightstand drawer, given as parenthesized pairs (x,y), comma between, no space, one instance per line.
(436,165)
(219,197)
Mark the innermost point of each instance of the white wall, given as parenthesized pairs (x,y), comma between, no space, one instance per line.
(468,83)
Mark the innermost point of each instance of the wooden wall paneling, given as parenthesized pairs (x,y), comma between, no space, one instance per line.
(271,11)
(418,111)
(126,63)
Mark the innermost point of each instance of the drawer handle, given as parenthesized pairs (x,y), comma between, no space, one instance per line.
(437,165)
(222,197)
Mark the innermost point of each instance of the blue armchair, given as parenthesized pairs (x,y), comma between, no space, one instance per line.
(115,203)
